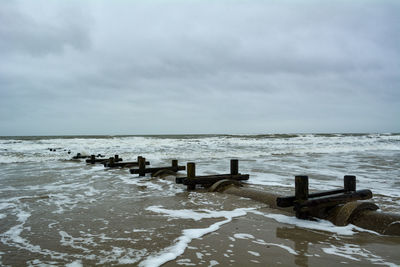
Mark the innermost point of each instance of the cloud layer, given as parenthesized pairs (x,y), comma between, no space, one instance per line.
(137,67)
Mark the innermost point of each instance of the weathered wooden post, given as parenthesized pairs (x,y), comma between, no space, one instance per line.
(175,165)
(191,173)
(92,159)
(142,166)
(301,194)
(349,183)
(111,162)
(234,167)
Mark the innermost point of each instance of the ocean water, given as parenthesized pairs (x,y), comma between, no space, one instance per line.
(55,211)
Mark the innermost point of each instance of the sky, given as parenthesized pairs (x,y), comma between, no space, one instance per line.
(199,67)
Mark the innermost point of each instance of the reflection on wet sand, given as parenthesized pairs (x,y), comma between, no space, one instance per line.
(301,246)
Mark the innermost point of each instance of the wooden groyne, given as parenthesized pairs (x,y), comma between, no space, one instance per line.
(342,206)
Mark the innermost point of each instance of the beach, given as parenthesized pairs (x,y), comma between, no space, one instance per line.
(55,211)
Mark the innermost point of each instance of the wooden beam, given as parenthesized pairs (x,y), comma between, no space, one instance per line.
(96,161)
(153,170)
(210,179)
(285,202)
(80,156)
(100,160)
(349,182)
(333,200)
(124,164)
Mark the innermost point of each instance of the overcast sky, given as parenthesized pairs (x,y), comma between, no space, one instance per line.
(168,67)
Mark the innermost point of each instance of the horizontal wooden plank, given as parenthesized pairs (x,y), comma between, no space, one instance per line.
(96,160)
(102,161)
(288,201)
(333,200)
(153,170)
(210,179)
(123,164)
(80,157)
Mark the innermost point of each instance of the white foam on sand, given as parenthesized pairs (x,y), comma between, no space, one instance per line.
(172,252)
(195,215)
(74,242)
(355,252)
(262,242)
(288,249)
(254,253)
(243,236)
(321,225)
(13,236)
(159,186)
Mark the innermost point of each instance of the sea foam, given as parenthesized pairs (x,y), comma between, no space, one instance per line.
(188,235)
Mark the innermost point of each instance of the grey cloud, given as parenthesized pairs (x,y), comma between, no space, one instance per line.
(200,66)
(21,32)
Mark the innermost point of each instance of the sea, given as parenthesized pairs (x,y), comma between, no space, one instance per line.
(56,211)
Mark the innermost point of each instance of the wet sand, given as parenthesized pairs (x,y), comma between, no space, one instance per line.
(137,226)
(258,241)
(254,240)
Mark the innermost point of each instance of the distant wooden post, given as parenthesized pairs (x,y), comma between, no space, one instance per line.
(301,193)
(234,167)
(349,183)
(111,160)
(191,173)
(142,166)
(175,164)
(92,159)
